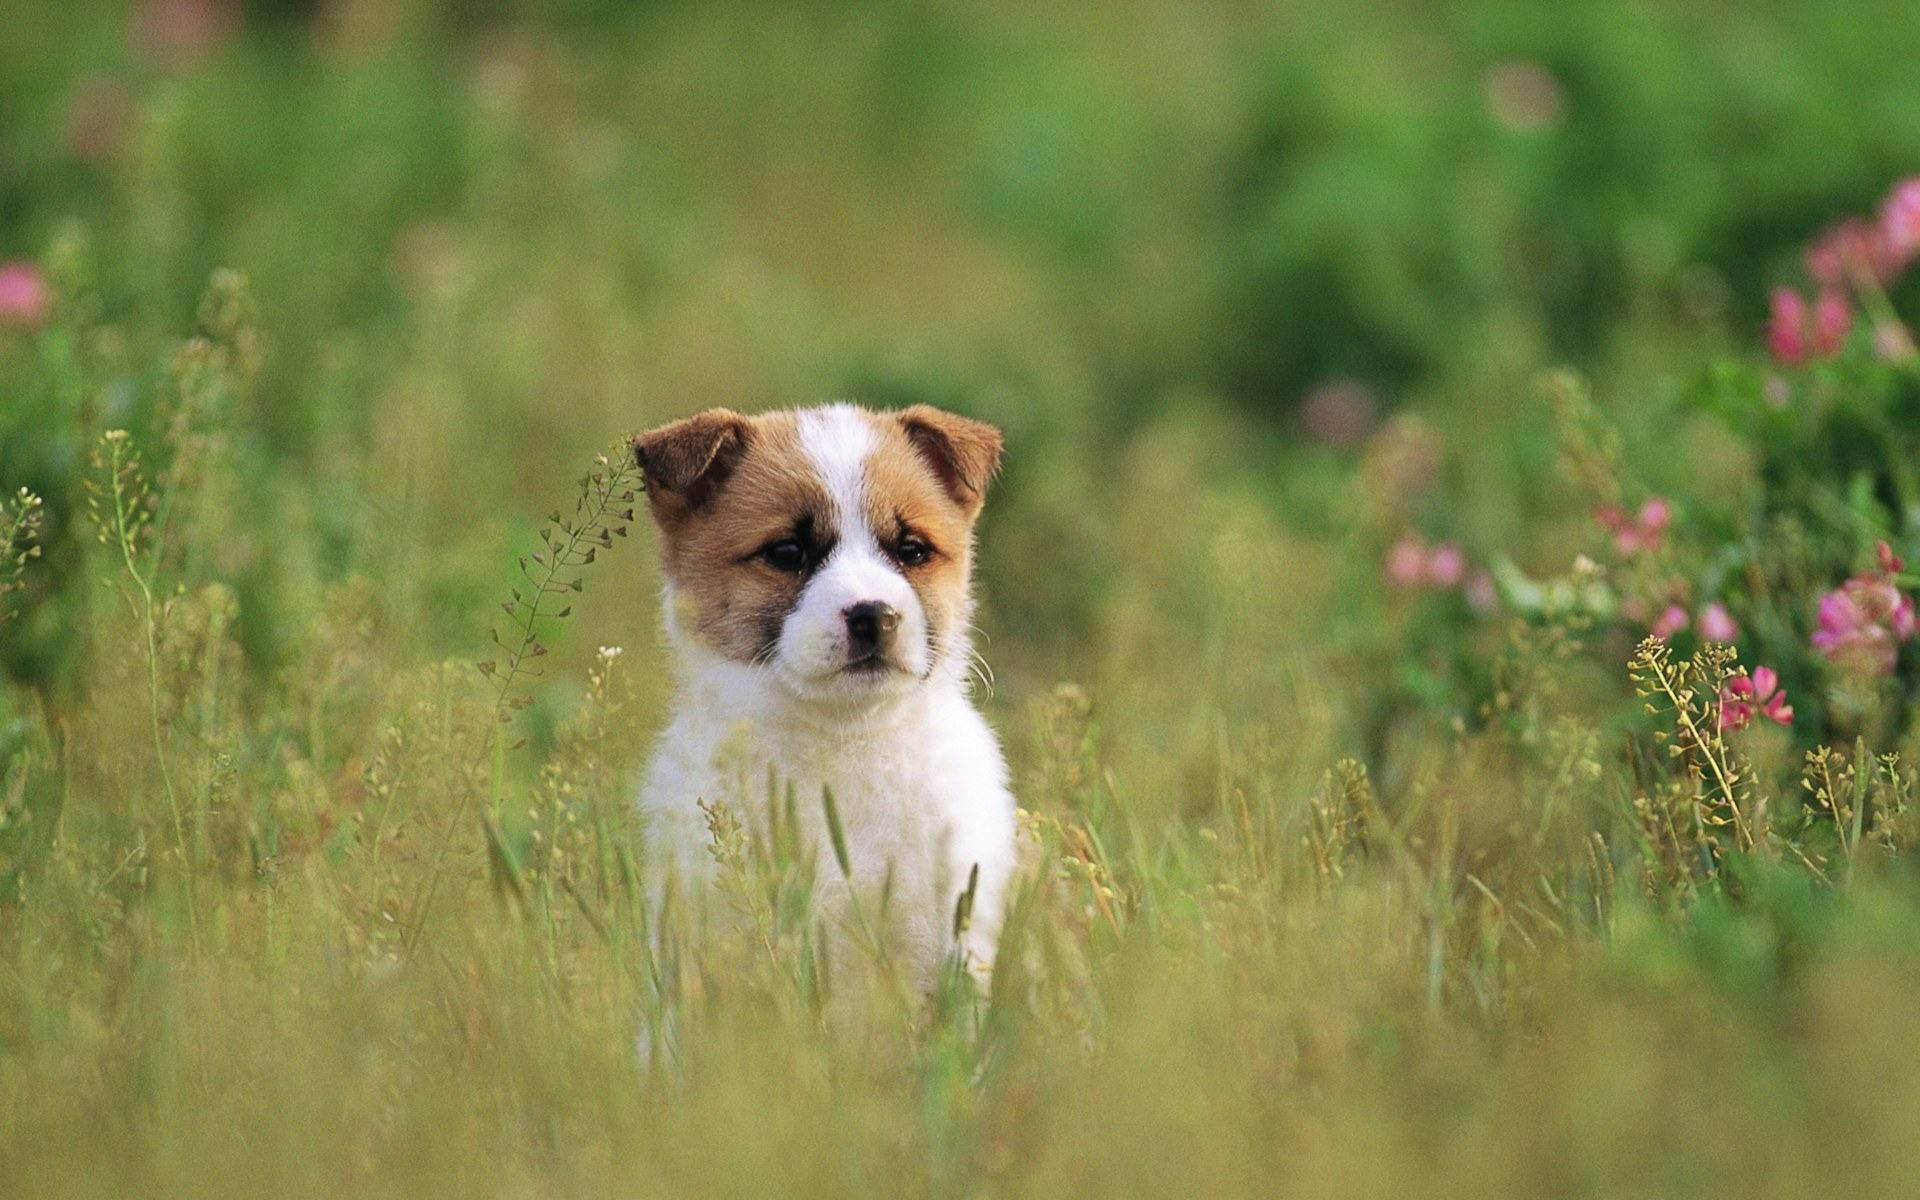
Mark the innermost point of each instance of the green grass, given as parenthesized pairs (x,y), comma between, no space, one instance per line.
(1338,888)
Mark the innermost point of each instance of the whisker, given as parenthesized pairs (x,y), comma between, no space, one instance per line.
(977,665)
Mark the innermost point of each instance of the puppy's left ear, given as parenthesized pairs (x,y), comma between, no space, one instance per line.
(686,462)
(964,453)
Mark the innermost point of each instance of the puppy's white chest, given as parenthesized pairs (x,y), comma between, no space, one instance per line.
(922,801)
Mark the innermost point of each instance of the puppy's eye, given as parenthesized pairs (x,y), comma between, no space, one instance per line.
(912,551)
(785,555)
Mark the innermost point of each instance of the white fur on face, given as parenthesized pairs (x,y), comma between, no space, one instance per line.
(813,647)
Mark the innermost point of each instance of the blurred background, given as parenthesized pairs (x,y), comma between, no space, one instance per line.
(1254,290)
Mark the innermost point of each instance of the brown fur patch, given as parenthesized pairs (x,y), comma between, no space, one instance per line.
(963,453)
(728,600)
(686,461)
(905,492)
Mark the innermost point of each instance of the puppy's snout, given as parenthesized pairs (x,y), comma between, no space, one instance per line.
(870,624)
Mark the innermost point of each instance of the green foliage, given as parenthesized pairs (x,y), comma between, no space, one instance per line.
(1373,846)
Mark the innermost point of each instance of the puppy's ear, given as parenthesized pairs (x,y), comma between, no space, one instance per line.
(685,462)
(963,453)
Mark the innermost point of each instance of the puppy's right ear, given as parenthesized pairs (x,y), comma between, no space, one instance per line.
(685,462)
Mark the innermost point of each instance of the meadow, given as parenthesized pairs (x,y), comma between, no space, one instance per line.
(1447,599)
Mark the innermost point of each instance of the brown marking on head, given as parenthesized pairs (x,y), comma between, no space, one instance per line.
(963,453)
(926,479)
(685,461)
(714,519)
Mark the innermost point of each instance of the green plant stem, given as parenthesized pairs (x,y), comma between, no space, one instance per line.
(557,559)
(124,535)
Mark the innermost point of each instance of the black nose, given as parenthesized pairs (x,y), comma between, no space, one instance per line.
(869,623)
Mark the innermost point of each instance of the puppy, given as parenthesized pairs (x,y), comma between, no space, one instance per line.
(817,603)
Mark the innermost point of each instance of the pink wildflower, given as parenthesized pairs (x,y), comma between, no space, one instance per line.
(1644,531)
(1446,565)
(1900,221)
(1716,624)
(1850,251)
(1831,321)
(1787,327)
(1655,515)
(25,298)
(1412,563)
(1406,564)
(1671,620)
(1862,622)
(1743,695)
(1797,332)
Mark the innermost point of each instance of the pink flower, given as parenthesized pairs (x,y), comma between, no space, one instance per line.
(1718,625)
(1412,563)
(1743,695)
(1671,620)
(1900,221)
(1890,562)
(1644,531)
(1787,327)
(1850,251)
(1796,332)
(1831,321)
(1655,515)
(1862,622)
(1446,565)
(1406,564)
(25,299)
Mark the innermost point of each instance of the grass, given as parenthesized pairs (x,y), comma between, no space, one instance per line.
(1339,887)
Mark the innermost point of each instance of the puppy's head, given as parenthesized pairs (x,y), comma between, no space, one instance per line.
(830,547)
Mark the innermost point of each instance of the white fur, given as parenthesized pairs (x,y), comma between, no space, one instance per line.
(916,773)
(813,645)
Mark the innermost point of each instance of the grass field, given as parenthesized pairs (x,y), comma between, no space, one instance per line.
(1447,598)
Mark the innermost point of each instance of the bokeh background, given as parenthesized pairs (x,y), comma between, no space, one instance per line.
(1171,249)
(1261,295)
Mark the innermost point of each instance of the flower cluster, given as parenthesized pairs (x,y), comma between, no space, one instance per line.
(1863,621)
(1714,624)
(1796,333)
(1856,256)
(1639,533)
(1855,251)
(1412,563)
(1744,696)
(25,299)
